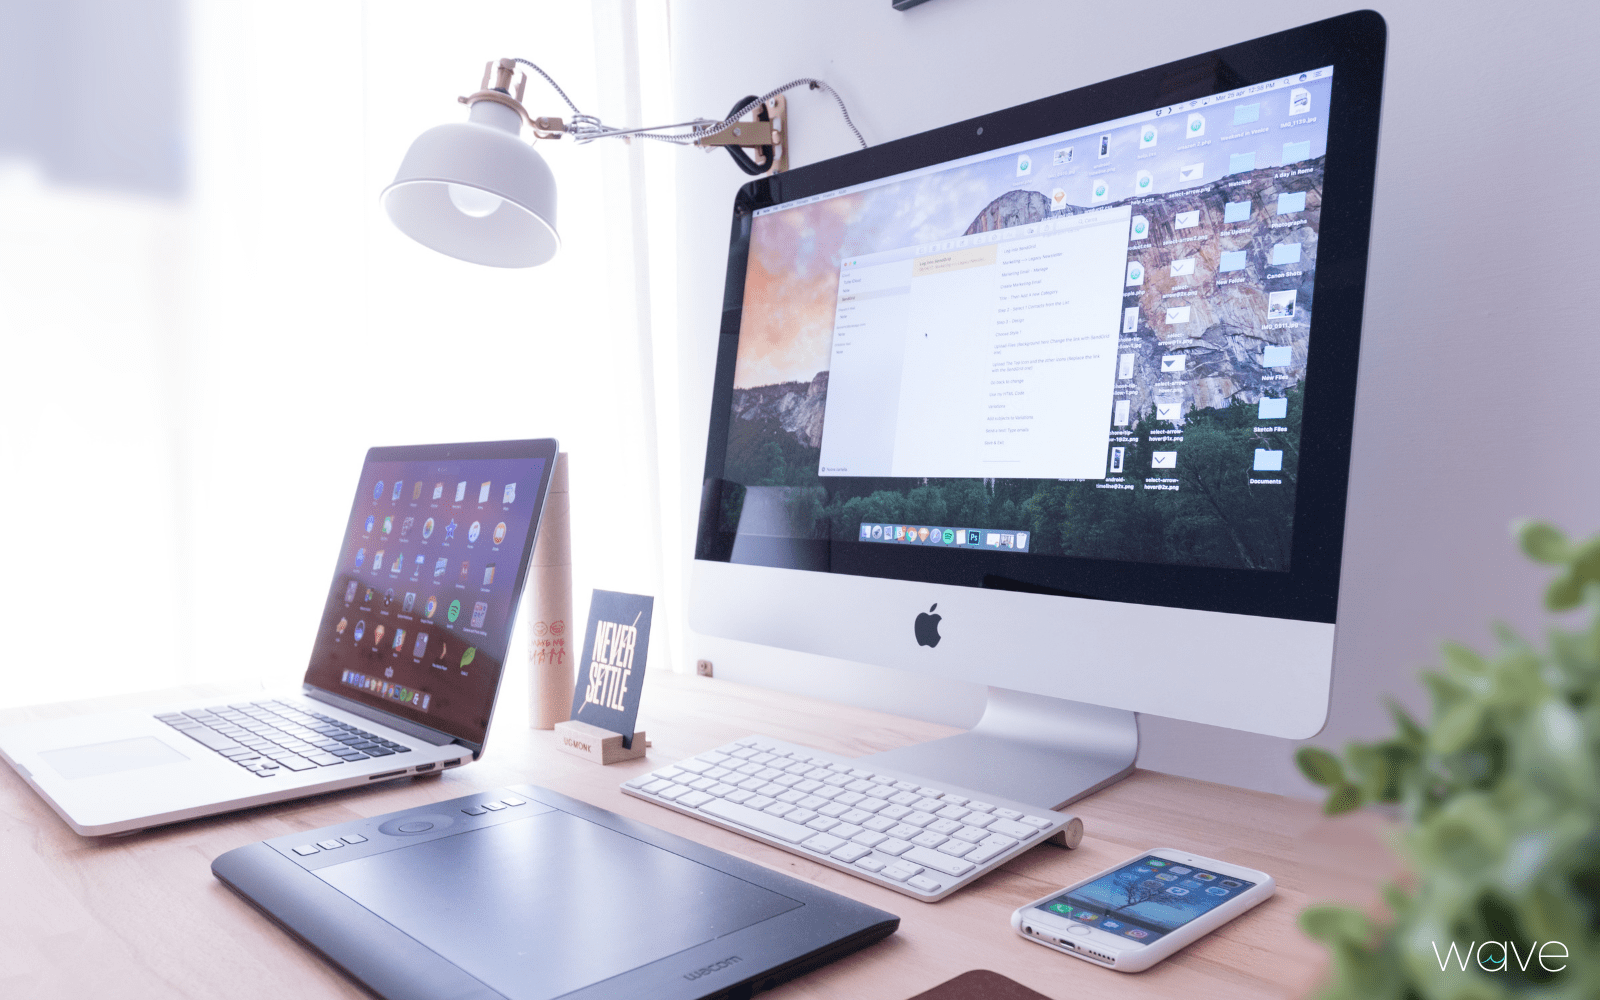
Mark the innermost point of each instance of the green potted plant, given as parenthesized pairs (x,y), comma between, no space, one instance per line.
(1500,796)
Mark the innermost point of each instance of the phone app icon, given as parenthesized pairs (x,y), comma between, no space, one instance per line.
(388,597)
(1024,165)
(1155,863)
(480,611)
(388,525)
(499,533)
(1111,925)
(1061,908)
(439,566)
(361,630)
(488,575)
(1147,136)
(1196,127)
(405,526)
(1088,918)
(421,648)
(949,536)
(453,612)
(377,636)
(509,494)
(399,560)
(350,592)
(483,493)
(974,538)
(367,597)
(450,530)
(461,491)
(399,639)
(1143,182)
(1230,883)
(344,623)
(1163,876)
(417,566)
(427,528)
(1180,870)
(1203,876)
(438,491)
(416,490)
(370,522)
(377,561)
(398,486)
(1099,191)
(1135,932)
(430,606)
(468,655)
(472,531)
(1216,890)
(464,567)
(1177,890)
(922,534)
(1141,226)
(377,491)
(409,602)
(361,557)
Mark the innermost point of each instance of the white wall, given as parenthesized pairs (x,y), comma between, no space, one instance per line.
(1478,347)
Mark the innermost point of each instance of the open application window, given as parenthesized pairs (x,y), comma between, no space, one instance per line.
(987,355)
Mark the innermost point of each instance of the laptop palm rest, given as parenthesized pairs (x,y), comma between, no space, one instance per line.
(97,759)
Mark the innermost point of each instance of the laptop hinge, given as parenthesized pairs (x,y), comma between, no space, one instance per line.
(421,732)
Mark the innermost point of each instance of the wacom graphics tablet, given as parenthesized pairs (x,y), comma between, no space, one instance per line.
(525,894)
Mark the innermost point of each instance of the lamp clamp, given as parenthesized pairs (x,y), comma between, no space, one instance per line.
(502,93)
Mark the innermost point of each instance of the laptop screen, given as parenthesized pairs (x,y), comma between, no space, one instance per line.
(419,614)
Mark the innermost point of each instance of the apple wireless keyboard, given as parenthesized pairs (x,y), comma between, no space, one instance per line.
(923,838)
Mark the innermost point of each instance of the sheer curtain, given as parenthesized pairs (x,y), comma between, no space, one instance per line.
(194,376)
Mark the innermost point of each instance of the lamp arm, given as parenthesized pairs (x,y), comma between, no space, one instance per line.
(587,128)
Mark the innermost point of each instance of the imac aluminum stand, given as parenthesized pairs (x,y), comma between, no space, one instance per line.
(1044,751)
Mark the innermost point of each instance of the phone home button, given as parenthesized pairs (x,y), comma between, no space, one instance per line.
(1077,929)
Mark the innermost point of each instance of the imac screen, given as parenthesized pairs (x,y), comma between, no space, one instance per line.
(1089,345)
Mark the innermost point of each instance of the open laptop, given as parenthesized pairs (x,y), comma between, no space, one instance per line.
(404,670)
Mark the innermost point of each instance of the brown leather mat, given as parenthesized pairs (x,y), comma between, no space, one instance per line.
(981,984)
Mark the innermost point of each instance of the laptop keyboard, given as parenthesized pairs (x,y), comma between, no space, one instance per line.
(888,827)
(271,737)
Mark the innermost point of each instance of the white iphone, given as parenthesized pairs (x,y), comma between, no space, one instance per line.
(1132,916)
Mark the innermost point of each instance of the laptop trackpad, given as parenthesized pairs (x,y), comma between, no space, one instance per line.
(97,759)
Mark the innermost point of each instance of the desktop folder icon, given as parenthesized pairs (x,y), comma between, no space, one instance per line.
(1233,260)
(1294,152)
(1276,357)
(1236,211)
(1294,201)
(1286,253)
(1272,409)
(1268,461)
(1244,114)
(1240,163)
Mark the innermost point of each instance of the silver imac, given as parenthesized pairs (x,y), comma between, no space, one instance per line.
(1058,400)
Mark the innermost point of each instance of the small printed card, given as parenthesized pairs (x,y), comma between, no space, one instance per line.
(611,669)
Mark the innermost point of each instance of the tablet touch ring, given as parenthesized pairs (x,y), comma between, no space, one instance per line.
(410,826)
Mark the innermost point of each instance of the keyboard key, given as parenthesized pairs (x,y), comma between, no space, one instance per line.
(790,796)
(297,764)
(496,807)
(1007,813)
(330,845)
(655,786)
(771,790)
(905,798)
(739,795)
(928,805)
(855,816)
(951,812)
(869,839)
(694,766)
(822,843)
(759,801)
(955,848)
(808,786)
(827,792)
(978,820)
(720,790)
(673,792)
(918,819)
(900,871)
(215,741)
(845,830)
(932,793)
(870,864)
(812,802)
(778,809)
(848,798)
(929,839)
(353,838)
(823,823)
(938,862)
(701,784)
(924,883)
(832,809)
(903,832)
(944,826)
(970,834)
(894,847)
(474,810)
(798,815)
(880,824)
(306,849)
(772,826)
(1006,828)
(895,813)
(718,773)
(995,838)
(694,800)
(1038,823)
(871,805)
(851,853)
(324,759)
(953,800)
(858,785)
(983,853)
(669,773)
(712,757)
(751,784)
(787,780)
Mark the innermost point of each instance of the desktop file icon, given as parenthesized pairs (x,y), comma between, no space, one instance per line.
(483,493)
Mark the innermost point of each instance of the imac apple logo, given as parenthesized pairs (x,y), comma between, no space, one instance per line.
(927,628)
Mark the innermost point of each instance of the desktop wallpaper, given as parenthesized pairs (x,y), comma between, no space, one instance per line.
(1253,245)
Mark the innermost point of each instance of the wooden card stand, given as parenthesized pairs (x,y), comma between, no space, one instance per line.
(599,745)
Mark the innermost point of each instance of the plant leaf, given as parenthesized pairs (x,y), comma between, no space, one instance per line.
(1565,593)
(1320,766)
(1334,924)
(1542,542)
(1342,799)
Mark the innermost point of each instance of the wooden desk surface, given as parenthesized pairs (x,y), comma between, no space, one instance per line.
(142,916)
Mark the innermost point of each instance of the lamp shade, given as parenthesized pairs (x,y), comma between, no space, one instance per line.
(475,191)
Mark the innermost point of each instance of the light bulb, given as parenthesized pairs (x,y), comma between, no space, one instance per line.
(473,201)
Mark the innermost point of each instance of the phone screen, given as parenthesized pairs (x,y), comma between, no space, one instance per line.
(1147,899)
